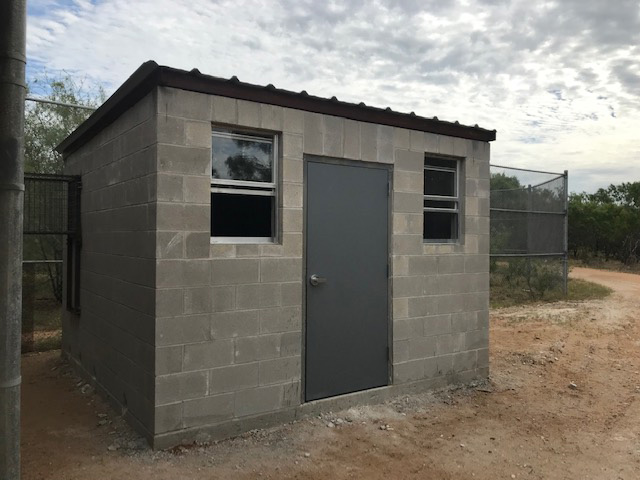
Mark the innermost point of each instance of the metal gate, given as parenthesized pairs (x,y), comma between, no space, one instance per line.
(51,223)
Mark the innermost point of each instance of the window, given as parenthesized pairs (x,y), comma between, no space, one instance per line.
(243,187)
(441,199)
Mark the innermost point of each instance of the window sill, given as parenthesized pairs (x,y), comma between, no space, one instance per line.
(242,241)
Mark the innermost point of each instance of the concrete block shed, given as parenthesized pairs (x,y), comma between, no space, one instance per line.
(249,255)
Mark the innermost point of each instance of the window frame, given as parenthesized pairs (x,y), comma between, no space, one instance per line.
(457,210)
(247,187)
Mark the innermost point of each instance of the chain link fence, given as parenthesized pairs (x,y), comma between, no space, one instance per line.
(528,230)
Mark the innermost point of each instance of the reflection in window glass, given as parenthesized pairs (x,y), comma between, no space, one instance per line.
(242,158)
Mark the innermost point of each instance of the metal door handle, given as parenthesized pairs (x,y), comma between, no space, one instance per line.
(315,280)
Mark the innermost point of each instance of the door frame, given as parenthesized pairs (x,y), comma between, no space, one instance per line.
(347,163)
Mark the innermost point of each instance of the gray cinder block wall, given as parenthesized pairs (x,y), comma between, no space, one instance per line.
(212,333)
(113,338)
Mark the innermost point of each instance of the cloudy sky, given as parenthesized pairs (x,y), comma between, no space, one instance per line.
(559,80)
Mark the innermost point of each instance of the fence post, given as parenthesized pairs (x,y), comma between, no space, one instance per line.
(28,306)
(13,26)
(565,266)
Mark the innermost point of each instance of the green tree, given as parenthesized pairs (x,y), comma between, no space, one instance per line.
(46,125)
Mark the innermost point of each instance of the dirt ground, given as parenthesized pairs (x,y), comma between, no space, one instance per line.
(563,403)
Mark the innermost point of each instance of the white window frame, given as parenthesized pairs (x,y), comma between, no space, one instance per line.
(244,187)
(444,198)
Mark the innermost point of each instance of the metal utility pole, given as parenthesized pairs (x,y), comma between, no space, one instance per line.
(13,15)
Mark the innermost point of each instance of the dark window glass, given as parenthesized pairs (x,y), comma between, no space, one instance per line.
(439,204)
(234,215)
(437,182)
(440,162)
(440,226)
(242,159)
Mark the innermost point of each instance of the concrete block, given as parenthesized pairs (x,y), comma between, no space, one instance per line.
(280,319)
(352,139)
(450,304)
(168,360)
(174,273)
(280,270)
(223,299)
(407,202)
(208,410)
(384,144)
(169,245)
(197,134)
(243,323)
(183,329)
(292,220)
(184,160)
(258,400)
(292,170)
(408,161)
(292,195)
(400,265)
(167,418)
(270,295)
(417,141)
(233,378)
(197,300)
(422,306)
(333,140)
(293,120)
(292,146)
(180,386)
(463,322)
(481,150)
(400,351)
(291,294)
(251,349)
(483,358)
(400,308)
(401,139)
(408,371)
(171,130)
(248,296)
(271,250)
(451,264)
(197,244)
(249,114)
(445,145)
(445,364)
(247,250)
(407,244)
(280,370)
(271,117)
(313,133)
(482,319)
(234,271)
(476,263)
(422,347)
(204,356)
(224,110)
(464,361)
(423,265)
(291,395)
(407,223)
(197,190)
(477,339)
(407,328)
(169,302)
(183,103)
(462,147)
(430,143)
(291,344)
(292,244)
(170,188)
(437,325)
(369,142)
(444,344)
(407,287)
(411,182)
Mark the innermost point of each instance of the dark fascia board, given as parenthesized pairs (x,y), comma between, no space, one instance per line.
(150,75)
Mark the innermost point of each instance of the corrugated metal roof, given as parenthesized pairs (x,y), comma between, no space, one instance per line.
(150,75)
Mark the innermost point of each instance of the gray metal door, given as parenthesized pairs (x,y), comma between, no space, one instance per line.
(347,279)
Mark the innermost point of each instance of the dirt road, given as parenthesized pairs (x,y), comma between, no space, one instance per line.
(563,403)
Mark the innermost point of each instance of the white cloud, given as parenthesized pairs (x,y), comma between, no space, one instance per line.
(559,80)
